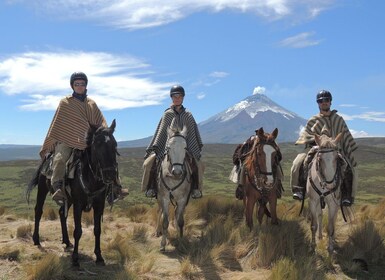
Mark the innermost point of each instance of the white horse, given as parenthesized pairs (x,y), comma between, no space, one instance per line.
(174,183)
(323,186)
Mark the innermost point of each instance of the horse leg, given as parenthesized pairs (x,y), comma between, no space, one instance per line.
(98,213)
(179,217)
(261,211)
(165,223)
(158,231)
(64,230)
(40,199)
(273,207)
(331,227)
(314,222)
(77,232)
(250,202)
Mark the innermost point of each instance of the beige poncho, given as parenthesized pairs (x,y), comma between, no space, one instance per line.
(71,123)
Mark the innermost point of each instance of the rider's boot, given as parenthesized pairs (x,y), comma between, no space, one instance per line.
(298,192)
(116,193)
(59,195)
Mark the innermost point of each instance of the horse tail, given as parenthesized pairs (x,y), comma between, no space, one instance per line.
(33,183)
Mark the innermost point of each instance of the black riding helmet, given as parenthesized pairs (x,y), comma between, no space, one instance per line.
(323,94)
(177,89)
(78,76)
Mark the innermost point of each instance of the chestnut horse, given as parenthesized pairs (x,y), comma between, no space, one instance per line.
(260,184)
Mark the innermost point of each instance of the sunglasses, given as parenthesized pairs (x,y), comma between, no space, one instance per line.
(326,100)
(79,84)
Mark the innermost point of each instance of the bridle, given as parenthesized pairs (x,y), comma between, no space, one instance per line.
(259,179)
(182,165)
(323,182)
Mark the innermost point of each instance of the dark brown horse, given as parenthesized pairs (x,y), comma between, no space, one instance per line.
(260,183)
(95,173)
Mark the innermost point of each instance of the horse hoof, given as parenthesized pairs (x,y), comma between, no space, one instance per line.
(100,262)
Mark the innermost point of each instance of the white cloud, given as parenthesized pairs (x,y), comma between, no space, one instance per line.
(348,105)
(259,90)
(359,134)
(302,40)
(366,116)
(219,74)
(201,96)
(149,13)
(115,82)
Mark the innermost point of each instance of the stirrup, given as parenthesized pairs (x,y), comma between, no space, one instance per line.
(298,196)
(196,194)
(150,193)
(59,197)
(346,202)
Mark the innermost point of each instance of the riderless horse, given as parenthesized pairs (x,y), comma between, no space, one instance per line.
(95,173)
(174,182)
(261,184)
(323,186)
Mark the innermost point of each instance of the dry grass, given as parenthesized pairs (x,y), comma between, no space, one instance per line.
(216,245)
(24,231)
(50,214)
(2,210)
(49,267)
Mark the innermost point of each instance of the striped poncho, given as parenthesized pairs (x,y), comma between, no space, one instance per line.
(184,118)
(334,125)
(71,123)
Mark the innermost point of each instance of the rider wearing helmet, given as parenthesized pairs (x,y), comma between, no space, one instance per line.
(327,120)
(67,131)
(156,149)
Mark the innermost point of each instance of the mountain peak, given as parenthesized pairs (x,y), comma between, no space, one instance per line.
(235,124)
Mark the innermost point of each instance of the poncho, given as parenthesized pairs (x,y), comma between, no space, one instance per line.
(184,118)
(71,123)
(334,125)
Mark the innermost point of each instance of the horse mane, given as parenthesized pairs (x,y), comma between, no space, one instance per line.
(326,142)
(251,158)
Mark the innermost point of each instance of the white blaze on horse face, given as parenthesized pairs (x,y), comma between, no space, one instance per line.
(268,149)
(328,164)
(107,138)
(176,153)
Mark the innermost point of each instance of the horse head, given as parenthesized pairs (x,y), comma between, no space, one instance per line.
(264,158)
(103,150)
(327,159)
(176,150)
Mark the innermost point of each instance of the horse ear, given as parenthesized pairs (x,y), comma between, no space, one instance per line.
(169,132)
(184,131)
(317,139)
(260,132)
(113,125)
(275,133)
(339,137)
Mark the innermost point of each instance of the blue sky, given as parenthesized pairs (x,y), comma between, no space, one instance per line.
(219,50)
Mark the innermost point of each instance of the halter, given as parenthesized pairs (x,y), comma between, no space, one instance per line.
(258,181)
(323,182)
(182,165)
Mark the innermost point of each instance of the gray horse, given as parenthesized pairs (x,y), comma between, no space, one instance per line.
(174,182)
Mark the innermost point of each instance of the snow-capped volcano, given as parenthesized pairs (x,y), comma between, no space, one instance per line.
(238,122)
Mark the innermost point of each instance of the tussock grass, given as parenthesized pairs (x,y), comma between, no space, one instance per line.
(139,234)
(50,214)
(49,267)
(8,253)
(187,269)
(24,231)
(88,218)
(137,213)
(2,210)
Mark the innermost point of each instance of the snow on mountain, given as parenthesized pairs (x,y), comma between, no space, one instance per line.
(239,121)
